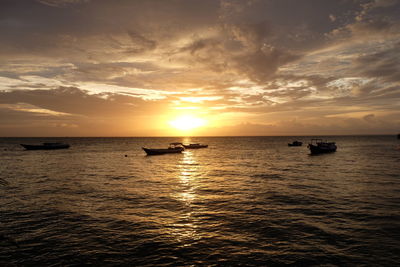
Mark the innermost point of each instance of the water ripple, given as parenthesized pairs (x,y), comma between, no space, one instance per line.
(261,204)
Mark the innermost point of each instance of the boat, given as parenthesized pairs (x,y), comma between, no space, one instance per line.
(173,148)
(194,146)
(295,143)
(317,146)
(46,146)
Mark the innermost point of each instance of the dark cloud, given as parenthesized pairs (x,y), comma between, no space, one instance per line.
(251,35)
(263,63)
(142,42)
(383,65)
(373,18)
(61,3)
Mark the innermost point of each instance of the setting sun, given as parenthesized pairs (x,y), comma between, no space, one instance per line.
(186,123)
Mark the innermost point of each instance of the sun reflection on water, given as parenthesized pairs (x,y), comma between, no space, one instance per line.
(185,227)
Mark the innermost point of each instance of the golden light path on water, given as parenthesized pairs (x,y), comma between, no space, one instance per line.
(185,229)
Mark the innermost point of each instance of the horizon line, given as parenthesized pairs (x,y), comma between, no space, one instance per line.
(201,136)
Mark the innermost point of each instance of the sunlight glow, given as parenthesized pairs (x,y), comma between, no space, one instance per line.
(187,122)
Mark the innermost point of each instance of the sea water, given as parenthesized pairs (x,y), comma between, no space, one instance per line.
(241,201)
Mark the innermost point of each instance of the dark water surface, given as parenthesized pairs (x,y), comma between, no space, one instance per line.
(242,201)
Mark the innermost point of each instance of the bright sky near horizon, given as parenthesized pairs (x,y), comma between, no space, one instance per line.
(188,67)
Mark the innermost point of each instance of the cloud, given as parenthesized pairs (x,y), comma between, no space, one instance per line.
(252,35)
(374,18)
(329,126)
(263,63)
(74,101)
(264,60)
(259,58)
(78,113)
(142,42)
(383,64)
(369,117)
(61,3)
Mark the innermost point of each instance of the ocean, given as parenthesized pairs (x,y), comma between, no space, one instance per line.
(249,201)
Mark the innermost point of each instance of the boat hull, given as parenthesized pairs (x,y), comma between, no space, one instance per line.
(195,146)
(45,147)
(162,151)
(315,149)
(295,144)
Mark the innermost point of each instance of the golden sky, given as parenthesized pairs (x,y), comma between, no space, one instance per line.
(189,67)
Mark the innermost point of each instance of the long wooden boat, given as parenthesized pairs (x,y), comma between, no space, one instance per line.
(317,146)
(46,146)
(194,146)
(173,148)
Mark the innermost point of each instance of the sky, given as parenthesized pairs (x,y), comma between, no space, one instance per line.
(199,67)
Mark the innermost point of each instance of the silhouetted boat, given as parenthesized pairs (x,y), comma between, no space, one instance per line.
(173,148)
(46,146)
(295,143)
(194,146)
(317,146)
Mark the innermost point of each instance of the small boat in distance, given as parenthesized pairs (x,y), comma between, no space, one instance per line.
(317,146)
(194,146)
(173,148)
(46,146)
(295,143)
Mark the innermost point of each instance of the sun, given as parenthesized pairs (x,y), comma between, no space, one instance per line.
(187,123)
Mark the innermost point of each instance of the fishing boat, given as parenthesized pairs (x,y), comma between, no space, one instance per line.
(194,146)
(317,146)
(173,148)
(295,143)
(46,146)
